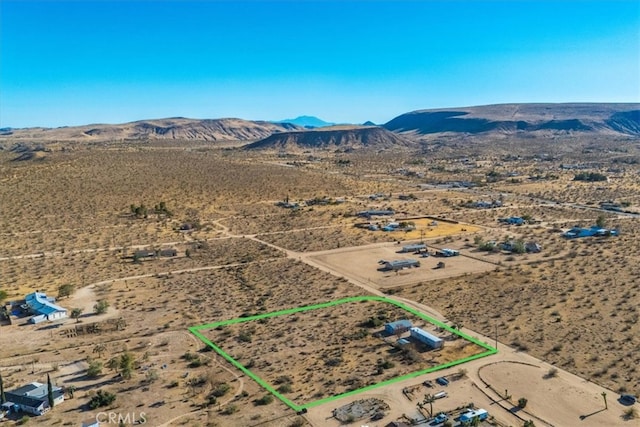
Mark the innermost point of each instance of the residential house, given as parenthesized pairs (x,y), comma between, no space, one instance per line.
(32,398)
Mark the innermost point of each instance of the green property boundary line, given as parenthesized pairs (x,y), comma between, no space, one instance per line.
(196,331)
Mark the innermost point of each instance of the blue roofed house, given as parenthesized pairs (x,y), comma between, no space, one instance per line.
(589,232)
(397,327)
(43,308)
(32,398)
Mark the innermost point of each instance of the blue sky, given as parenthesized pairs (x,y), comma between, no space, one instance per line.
(112,61)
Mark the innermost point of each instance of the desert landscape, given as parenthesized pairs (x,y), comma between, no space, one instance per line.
(142,234)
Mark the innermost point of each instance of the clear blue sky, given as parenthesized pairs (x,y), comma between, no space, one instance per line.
(81,62)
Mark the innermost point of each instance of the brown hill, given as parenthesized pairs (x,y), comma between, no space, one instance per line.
(536,119)
(230,129)
(345,138)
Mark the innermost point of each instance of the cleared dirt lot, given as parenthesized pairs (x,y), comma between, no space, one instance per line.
(362,263)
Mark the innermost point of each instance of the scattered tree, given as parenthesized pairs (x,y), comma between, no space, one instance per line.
(3,296)
(100,349)
(529,423)
(126,365)
(70,390)
(66,290)
(76,313)
(95,368)
(113,364)
(101,307)
(601,221)
(428,398)
(522,402)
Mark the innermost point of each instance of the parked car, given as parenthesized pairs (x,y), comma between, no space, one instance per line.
(440,418)
(428,383)
(628,399)
(442,381)
(440,395)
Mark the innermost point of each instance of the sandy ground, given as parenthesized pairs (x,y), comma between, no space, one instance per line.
(564,400)
(362,263)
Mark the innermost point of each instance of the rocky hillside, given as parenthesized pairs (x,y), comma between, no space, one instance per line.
(174,128)
(538,119)
(345,138)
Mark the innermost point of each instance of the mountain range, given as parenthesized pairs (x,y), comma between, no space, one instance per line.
(406,130)
(307,122)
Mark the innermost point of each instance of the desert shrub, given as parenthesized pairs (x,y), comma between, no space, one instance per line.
(298,422)
(283,379)
(264,400)
(552,372)
(221,390)
(101,398)
(245,337)
(630,413)
(284,388)
(231,409)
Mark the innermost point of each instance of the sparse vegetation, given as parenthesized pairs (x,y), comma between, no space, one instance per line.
(102,398)
(538,290)
(101,307)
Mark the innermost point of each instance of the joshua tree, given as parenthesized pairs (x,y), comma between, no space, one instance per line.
(428,398)
(100,349)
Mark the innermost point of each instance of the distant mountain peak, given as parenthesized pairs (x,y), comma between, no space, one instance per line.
(307,121)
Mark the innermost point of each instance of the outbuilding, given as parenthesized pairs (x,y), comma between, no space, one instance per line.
(413,248)
(399,264)
(398,326)
(426,338)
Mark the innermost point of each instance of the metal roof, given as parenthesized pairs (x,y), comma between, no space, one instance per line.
(39,304)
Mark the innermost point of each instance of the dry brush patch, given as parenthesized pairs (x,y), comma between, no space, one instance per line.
(579,312)
(344,344)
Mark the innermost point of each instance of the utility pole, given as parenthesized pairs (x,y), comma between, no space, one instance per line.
(604,396)
(496,335)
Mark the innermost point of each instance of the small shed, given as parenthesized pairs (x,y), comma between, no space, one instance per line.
(403,342)
(397,327)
